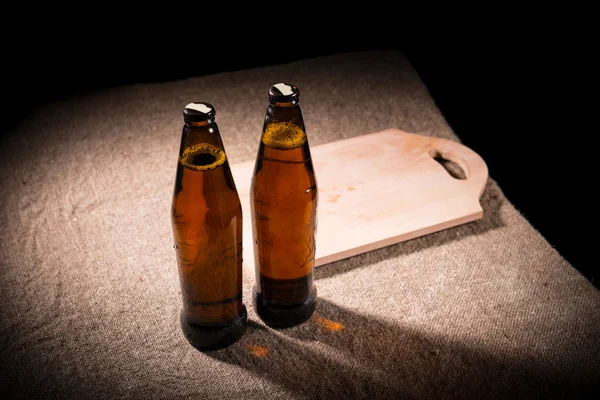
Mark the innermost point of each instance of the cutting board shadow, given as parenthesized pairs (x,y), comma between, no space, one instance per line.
(380,189)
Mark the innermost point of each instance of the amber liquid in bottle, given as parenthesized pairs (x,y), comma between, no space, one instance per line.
(284,200)
(207,228)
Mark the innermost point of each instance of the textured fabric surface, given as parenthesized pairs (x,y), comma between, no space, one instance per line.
(90,293)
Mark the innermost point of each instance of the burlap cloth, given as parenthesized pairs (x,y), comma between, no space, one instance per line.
(90,294)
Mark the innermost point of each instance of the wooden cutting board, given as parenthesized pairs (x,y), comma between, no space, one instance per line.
(382,188)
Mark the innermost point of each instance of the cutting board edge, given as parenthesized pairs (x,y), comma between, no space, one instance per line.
(398,239)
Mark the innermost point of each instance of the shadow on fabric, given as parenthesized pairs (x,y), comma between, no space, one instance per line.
(339,353)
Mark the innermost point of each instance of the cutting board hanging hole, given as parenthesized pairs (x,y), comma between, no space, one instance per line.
(453,168)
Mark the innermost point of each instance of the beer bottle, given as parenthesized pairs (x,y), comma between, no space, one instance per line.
(207,228)
(283,201)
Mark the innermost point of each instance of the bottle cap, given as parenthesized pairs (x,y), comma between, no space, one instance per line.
(284,93)
(199,112)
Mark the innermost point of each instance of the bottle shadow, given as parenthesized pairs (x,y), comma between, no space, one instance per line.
(339,353)
(491,201)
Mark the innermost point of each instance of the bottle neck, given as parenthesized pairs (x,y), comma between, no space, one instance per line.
(290,113)
(201,123)
(201,132)
(285,104)
(283,128)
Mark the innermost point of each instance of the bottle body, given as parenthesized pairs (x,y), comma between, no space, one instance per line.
(284,201)
(207,228)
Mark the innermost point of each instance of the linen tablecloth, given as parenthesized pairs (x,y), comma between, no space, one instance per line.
(88,279)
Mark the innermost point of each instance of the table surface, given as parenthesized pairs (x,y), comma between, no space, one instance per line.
(90,292)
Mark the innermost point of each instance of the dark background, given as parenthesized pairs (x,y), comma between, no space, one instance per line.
(507,90)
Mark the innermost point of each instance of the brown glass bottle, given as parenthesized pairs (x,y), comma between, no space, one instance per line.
(283,200)
(207,229)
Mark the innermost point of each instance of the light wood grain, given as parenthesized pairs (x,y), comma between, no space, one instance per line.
(379,189)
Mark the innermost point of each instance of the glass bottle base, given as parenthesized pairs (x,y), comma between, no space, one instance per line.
(208,338)
(284,316)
